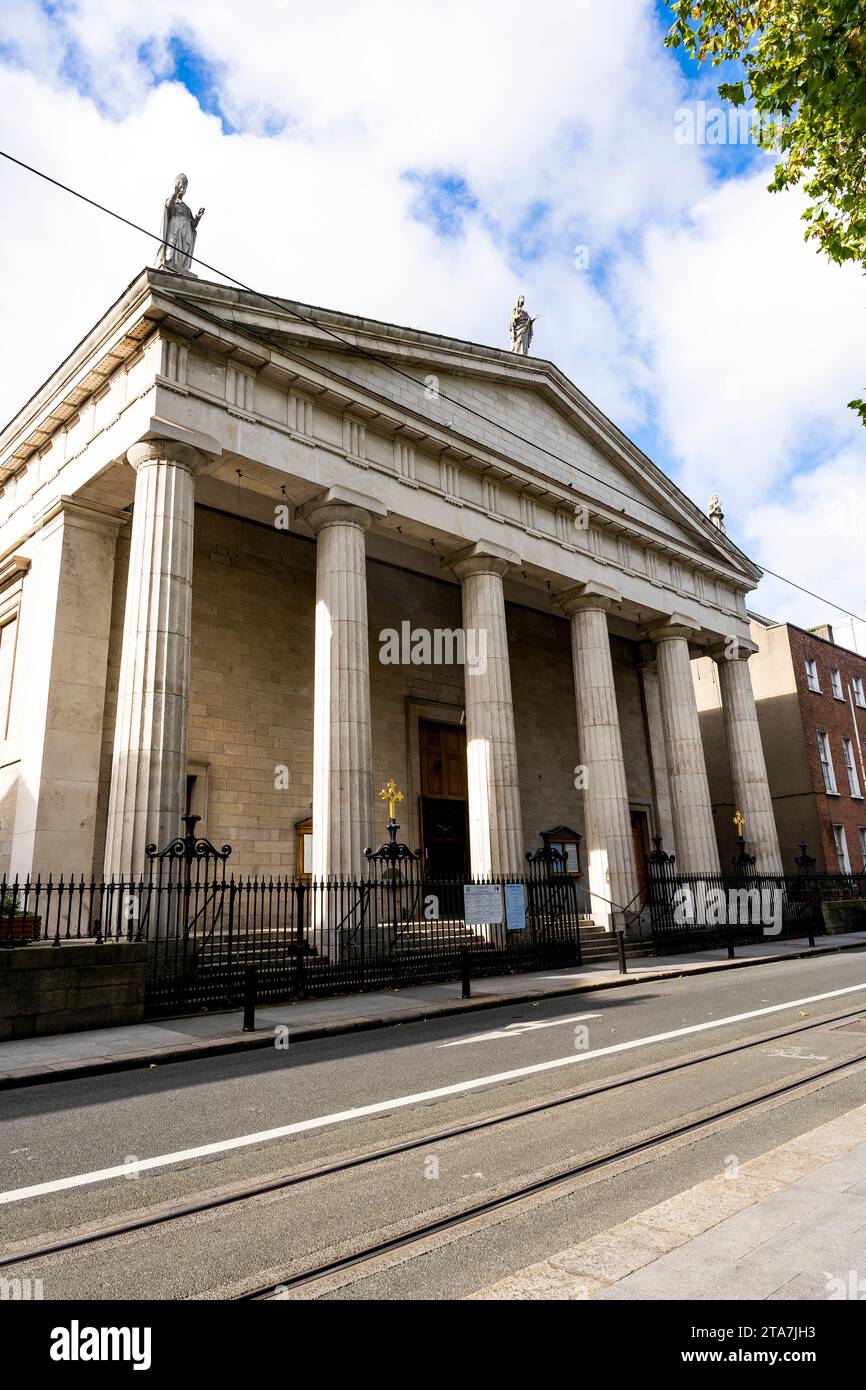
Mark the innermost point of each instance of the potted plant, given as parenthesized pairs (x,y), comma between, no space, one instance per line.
(17,927)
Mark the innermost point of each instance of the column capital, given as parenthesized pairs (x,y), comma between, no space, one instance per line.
(669,628)
(582,596)
(148,451)
(481,557)
(336,505)
(732,649)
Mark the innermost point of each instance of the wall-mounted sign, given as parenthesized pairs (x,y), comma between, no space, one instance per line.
(482,904)
(515,906)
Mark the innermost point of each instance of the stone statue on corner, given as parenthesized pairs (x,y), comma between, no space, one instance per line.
(178,231)
(521,328)
(716,515)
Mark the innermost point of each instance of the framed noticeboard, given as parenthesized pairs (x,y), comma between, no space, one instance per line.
(482,904)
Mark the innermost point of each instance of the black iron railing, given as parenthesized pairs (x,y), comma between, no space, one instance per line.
(688,912)
(205,928)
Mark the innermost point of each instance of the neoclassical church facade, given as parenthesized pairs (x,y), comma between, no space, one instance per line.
(258,558)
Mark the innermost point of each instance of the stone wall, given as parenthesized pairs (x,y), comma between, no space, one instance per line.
(251,682)
(632,722)
(59,989)
(545,722)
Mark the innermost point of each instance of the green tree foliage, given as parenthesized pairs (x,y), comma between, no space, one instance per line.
(804,72)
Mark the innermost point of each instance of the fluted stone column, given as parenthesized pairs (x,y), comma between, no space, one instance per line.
(691,808)
(495,825)
(342,742)
(609,846)
(748,768)
(148,772)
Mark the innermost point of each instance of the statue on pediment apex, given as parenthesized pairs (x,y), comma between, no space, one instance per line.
(716,515)
(178,231)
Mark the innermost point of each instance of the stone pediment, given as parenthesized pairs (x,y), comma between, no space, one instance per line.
(525,418)
(521,440)
(539,428)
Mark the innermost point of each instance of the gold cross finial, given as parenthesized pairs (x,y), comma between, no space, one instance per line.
(392,795)
(739,821)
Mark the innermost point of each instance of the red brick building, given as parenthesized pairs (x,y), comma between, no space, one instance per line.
(811,701)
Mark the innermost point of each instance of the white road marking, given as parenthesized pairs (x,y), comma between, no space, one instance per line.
(20,1194)
(795,1052)
(514,1030)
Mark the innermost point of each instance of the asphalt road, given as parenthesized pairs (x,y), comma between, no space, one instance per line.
(407,1082)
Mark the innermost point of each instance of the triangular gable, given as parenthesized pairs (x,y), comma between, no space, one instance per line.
(540,419)
(538,434)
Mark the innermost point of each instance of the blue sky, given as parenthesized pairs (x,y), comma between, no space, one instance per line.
(178,60)
(425,164)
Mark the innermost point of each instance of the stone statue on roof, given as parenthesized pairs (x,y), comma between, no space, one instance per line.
(520,329)
(716,515)
(178,231)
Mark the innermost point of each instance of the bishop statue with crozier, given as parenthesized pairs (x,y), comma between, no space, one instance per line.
(178,231)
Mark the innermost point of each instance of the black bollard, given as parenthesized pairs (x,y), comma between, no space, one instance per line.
(620,946)
(250,999)
(464,973)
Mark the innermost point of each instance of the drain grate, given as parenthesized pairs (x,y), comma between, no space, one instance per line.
(858,1025)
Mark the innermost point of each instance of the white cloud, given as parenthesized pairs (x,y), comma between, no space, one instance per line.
(816,533)
(562,113)
(758,342)
(552,109)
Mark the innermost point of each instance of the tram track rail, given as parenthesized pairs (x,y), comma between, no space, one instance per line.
(286,1181)
(528,1191)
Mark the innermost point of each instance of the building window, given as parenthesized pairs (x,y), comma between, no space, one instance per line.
(12,579)
(836,683)
(850,767)
(304,848)
(812,675)
(196,794)
(857,687)
(827,765)
(862,837)
(8,637)
(842,848)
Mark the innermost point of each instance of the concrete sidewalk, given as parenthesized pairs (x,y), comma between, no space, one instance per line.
(30,1060)
(790,1224)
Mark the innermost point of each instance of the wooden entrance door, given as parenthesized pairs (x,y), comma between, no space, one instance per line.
(640,841)
(444,823)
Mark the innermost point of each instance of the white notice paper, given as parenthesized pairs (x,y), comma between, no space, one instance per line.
(515,906)
(482,903)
